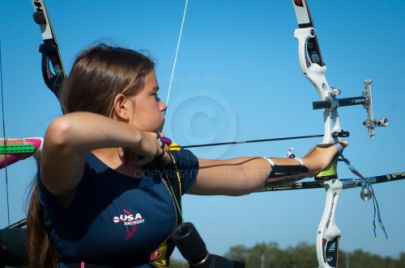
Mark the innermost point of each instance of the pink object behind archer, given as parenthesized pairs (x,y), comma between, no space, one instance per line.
(13,158)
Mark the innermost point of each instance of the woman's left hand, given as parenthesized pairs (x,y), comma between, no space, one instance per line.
(319,157)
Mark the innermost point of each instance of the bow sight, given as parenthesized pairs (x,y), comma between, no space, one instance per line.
(314,68)
(333,103)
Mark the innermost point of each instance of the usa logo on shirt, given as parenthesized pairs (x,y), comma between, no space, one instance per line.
(130,221)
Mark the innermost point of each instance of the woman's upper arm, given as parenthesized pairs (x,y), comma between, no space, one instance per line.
(61,167)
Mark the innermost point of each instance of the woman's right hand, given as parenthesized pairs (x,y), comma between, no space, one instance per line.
(149,149)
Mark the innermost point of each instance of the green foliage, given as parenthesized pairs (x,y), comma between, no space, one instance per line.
(178,264)
(264,255)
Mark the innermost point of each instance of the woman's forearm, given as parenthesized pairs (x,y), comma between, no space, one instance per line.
(83,131)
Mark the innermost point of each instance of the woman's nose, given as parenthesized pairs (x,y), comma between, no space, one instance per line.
(162,106)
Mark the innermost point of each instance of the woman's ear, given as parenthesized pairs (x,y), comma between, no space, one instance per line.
(120,107)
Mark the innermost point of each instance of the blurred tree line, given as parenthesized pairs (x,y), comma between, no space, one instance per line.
(269,255)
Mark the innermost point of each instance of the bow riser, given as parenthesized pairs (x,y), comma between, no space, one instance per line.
(315,73)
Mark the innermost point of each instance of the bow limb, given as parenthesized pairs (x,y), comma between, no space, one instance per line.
(53,70)
(314,69)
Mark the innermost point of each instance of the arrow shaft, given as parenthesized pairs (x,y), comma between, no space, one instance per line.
(249,141)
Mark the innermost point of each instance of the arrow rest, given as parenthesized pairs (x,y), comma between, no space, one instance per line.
(341,134)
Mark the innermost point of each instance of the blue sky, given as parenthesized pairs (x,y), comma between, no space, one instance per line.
(237,78)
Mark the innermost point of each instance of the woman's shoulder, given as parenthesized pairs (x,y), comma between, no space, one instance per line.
(185,158)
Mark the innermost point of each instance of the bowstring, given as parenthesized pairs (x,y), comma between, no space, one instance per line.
(177,52)
(4,133)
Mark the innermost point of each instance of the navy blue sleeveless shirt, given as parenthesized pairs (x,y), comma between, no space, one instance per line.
(116,220)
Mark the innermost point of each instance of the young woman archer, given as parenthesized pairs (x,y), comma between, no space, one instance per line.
(108,189)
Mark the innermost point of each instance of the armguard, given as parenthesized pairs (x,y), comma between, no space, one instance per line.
(285,174)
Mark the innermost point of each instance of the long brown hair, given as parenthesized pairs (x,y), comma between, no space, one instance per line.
(97,76)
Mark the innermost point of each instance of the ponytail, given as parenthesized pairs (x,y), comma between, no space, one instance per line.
(41,251)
